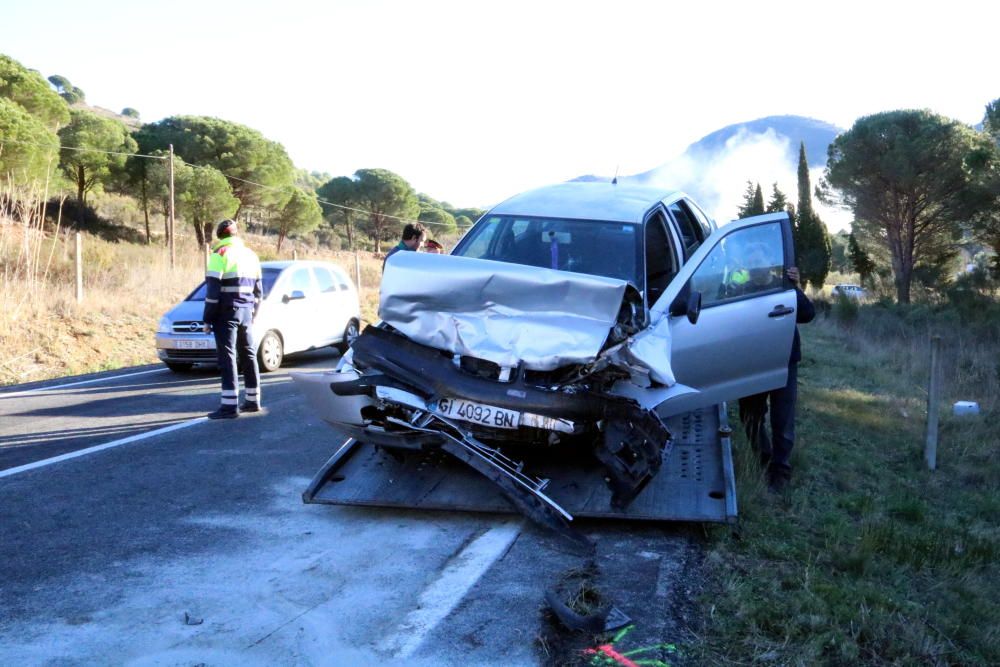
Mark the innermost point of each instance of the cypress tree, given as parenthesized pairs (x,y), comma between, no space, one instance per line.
(758,201)
(805,189)
(812,242)
(860,260)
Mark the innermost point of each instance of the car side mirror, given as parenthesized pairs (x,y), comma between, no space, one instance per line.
(294,296)
(694,307)
(687,303)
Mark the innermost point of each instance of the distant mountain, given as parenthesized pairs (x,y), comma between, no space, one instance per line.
(816,134)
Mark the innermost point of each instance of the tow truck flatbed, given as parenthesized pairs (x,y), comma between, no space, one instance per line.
(695,483)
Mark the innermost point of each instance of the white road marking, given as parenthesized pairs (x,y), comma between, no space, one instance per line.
(42,390)
(458,576)
(108,445)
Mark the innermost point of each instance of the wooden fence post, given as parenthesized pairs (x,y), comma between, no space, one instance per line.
(357,270)
(79,267)
(933,398)
(170,172)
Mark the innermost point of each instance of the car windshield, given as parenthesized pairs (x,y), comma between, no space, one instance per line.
(594,247)
(269,277)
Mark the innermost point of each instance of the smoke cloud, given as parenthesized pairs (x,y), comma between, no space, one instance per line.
(717,179)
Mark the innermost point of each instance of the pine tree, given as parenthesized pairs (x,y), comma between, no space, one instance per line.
(747,204)
(753,201)
(779,202)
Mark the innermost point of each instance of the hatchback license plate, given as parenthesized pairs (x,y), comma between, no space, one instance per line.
(477,413)
(191,345)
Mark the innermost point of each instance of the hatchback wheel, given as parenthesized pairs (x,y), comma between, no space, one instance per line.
(270,352)
(351,333)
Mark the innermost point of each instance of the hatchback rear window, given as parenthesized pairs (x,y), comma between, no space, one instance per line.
(269,277)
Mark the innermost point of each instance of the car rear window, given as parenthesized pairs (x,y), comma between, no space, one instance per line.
(269,276)
(594,247)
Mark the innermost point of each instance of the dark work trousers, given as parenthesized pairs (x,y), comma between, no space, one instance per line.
(776,451)
(233,339)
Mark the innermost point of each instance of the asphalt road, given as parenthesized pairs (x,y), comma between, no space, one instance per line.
(184,541)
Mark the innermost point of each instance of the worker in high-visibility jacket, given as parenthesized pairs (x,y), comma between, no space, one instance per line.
(234,293)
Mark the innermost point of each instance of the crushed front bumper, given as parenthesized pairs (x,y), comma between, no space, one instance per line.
(395,403)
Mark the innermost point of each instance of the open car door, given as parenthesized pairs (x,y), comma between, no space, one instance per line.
(730,315)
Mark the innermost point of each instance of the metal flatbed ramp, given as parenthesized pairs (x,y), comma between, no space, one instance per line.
(695,483)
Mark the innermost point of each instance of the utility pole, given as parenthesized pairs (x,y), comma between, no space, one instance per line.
(170,171)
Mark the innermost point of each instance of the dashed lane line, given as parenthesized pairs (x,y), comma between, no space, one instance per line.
(96,448)
(42,390)
(458,577)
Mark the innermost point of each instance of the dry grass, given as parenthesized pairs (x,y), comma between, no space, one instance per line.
(44,332)
(870,559)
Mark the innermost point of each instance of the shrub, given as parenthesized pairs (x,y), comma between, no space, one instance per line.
(90,221)
(846,310)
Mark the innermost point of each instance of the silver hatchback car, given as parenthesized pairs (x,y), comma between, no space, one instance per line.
(576,318)
(307,305)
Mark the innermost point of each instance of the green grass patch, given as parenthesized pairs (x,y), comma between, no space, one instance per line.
(868,558)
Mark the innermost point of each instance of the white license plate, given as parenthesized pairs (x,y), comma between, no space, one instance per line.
(477,413)
(191,345)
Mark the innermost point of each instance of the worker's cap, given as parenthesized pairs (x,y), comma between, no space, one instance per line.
(225,229)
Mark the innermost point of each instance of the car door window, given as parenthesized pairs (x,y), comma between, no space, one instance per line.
(699,215)
(324,280)
(479,245)
(661,264)
(302,281)
(690,231)
(748,262)
(341,279)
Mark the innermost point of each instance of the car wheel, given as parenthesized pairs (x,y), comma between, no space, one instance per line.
(178,367)
(351,332)
(270,352)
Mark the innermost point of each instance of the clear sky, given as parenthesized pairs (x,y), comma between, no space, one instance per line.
(474,101)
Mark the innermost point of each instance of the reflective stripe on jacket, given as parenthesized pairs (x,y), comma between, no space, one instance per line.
(232,277)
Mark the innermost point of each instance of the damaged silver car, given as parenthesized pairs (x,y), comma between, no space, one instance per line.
(571,319)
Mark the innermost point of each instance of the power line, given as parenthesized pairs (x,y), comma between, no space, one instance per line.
(81,150)
(235,178)
(327,203)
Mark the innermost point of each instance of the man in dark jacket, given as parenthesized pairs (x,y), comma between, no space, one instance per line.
(413,237)
(776,452)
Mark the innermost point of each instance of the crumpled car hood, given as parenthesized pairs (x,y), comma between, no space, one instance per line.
(501,312)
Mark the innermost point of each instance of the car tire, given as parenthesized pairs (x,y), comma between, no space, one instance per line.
(178,367)
(351,332)
(270,352)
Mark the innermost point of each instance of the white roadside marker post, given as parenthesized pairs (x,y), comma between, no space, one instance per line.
(933,398)
(79,267)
